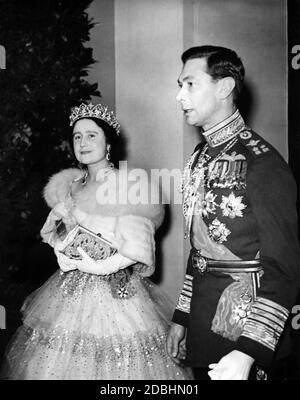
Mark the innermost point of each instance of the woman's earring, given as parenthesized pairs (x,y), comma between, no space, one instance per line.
(108,157)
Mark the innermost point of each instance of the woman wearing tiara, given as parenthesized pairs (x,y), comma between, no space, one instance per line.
(98,317)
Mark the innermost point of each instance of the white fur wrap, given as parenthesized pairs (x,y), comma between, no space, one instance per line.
(135,223)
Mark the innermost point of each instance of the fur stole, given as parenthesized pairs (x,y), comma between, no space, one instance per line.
(122,187)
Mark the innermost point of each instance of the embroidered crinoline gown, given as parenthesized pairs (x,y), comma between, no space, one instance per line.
(85,326)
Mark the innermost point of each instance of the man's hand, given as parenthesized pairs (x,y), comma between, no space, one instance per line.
(176,343)
(234,366)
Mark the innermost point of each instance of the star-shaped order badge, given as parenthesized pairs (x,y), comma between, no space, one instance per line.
(232,206)
(207,205)
(218,231)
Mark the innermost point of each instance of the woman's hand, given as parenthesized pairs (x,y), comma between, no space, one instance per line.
(234,366)
(101,267)
(86,264)
(64,262)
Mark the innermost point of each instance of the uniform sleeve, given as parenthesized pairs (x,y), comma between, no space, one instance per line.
(272,195)
(182,311)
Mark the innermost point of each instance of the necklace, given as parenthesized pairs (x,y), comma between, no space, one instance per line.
(84,178)
(104,172)
(193,179)
(101,174)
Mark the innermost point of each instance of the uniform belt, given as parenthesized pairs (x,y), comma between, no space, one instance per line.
(204,264)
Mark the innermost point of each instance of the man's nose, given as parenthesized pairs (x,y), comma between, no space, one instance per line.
(179,95)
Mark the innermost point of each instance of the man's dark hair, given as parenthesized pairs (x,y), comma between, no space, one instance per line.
(221,62)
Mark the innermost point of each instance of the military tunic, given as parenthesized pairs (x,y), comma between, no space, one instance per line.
(247,203)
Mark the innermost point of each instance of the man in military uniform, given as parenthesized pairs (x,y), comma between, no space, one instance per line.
(239,196)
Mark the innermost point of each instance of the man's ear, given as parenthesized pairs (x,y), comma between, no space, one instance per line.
(225,87)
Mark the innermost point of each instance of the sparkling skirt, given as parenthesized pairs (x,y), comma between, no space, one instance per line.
(83,326)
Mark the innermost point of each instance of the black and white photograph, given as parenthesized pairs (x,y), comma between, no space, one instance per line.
(149,206)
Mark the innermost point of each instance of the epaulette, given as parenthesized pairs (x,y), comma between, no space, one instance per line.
(254,143)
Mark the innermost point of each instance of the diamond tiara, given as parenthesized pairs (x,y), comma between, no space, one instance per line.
(97,111)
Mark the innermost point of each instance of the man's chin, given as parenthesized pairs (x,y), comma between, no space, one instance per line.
(190,121)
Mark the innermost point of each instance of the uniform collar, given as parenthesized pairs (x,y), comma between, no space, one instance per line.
(225,130)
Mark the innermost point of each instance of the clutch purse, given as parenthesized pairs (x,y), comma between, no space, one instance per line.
(95,245)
